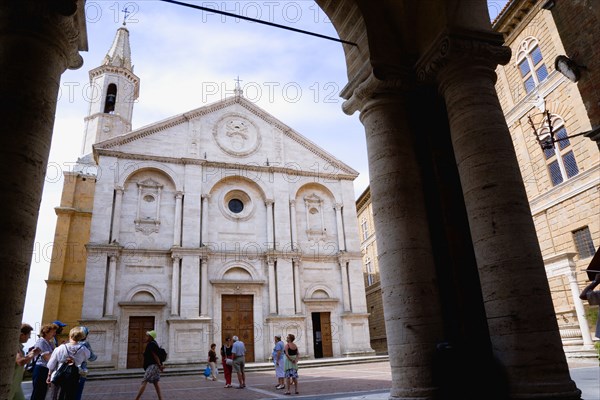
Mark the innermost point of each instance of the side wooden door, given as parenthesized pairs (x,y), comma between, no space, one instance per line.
(237,315)
(326,334)
(138,326)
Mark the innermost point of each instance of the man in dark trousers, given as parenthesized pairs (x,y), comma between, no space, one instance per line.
(152,365)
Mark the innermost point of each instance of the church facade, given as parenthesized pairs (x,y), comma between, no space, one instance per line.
(215,222)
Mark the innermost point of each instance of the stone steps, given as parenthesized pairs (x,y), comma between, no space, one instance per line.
(196,369)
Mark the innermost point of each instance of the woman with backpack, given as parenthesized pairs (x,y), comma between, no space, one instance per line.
(152,364)
(65,362)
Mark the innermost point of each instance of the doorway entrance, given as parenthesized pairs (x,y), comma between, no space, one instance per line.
(322,334)
(138,326)
(237,314)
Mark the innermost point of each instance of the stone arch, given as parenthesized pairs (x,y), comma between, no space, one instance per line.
(317,186)
(316,291)
(241,180)
(150,166)
(142,292)
(242,267)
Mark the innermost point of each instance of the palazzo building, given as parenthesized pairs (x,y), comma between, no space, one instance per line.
(562,181)
(206,224)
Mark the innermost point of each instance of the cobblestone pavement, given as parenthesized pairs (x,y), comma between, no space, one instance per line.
(314,382)
(355,381)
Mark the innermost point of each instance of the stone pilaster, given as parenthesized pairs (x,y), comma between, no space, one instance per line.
(204,287)
(177,221)
(272,287)
(514,285)
(116,222)
(175,286)
(340,226)
(270,241)
(38,41)
(412,309)
(111,283)
(297,294)
(204,227)
(294,225)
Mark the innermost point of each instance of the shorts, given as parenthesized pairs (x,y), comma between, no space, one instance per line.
(152,374)
(239,363)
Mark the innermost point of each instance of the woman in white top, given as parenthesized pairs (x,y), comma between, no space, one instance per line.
(40,371)
(74,351)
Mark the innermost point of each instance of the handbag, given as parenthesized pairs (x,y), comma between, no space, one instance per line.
(207,371)
(229,361)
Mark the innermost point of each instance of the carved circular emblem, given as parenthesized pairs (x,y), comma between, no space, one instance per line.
(236,135)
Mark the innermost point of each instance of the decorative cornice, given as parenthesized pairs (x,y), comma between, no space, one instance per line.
(461,49)
(224,165)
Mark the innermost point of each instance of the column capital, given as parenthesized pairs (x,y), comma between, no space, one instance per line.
(176,257)
(462,50)
(374,86)
(178,195)
(293,203)
(61,23)
(269,202)
(338,206)
(119,189)
(205,196)
(271,259)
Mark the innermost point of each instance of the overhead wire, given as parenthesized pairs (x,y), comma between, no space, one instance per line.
(259,21)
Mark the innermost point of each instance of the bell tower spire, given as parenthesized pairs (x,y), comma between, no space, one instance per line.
(115,89)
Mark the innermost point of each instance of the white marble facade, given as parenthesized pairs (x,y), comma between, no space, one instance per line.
(224,199)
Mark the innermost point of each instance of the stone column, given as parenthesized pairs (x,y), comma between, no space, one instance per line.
(116,222)
(579,310)
(38,41)
(270,239)
(518,304)
(297,294)
(110,285)
(294,226)
(204,238)
(272,287)
(177,222)
(411,301)
(175,286)
(204,287)
(344,277)
(340,226)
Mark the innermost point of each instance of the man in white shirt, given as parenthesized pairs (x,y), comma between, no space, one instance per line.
(238,350)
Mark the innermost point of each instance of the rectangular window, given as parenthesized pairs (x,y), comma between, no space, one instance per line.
(529,84)
(570,164)
(542,73)
(561,138)
(549,152)
(536,55)
(365,230)
(524,67)
(555,174)
(583,242)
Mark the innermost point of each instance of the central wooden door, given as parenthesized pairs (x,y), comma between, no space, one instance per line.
(237,315)
(138,326)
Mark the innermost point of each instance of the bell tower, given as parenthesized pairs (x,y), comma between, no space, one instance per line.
(115,90)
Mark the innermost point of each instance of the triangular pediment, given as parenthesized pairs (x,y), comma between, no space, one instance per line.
(233,130)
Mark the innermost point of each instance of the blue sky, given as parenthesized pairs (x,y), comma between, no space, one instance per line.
(186,58)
